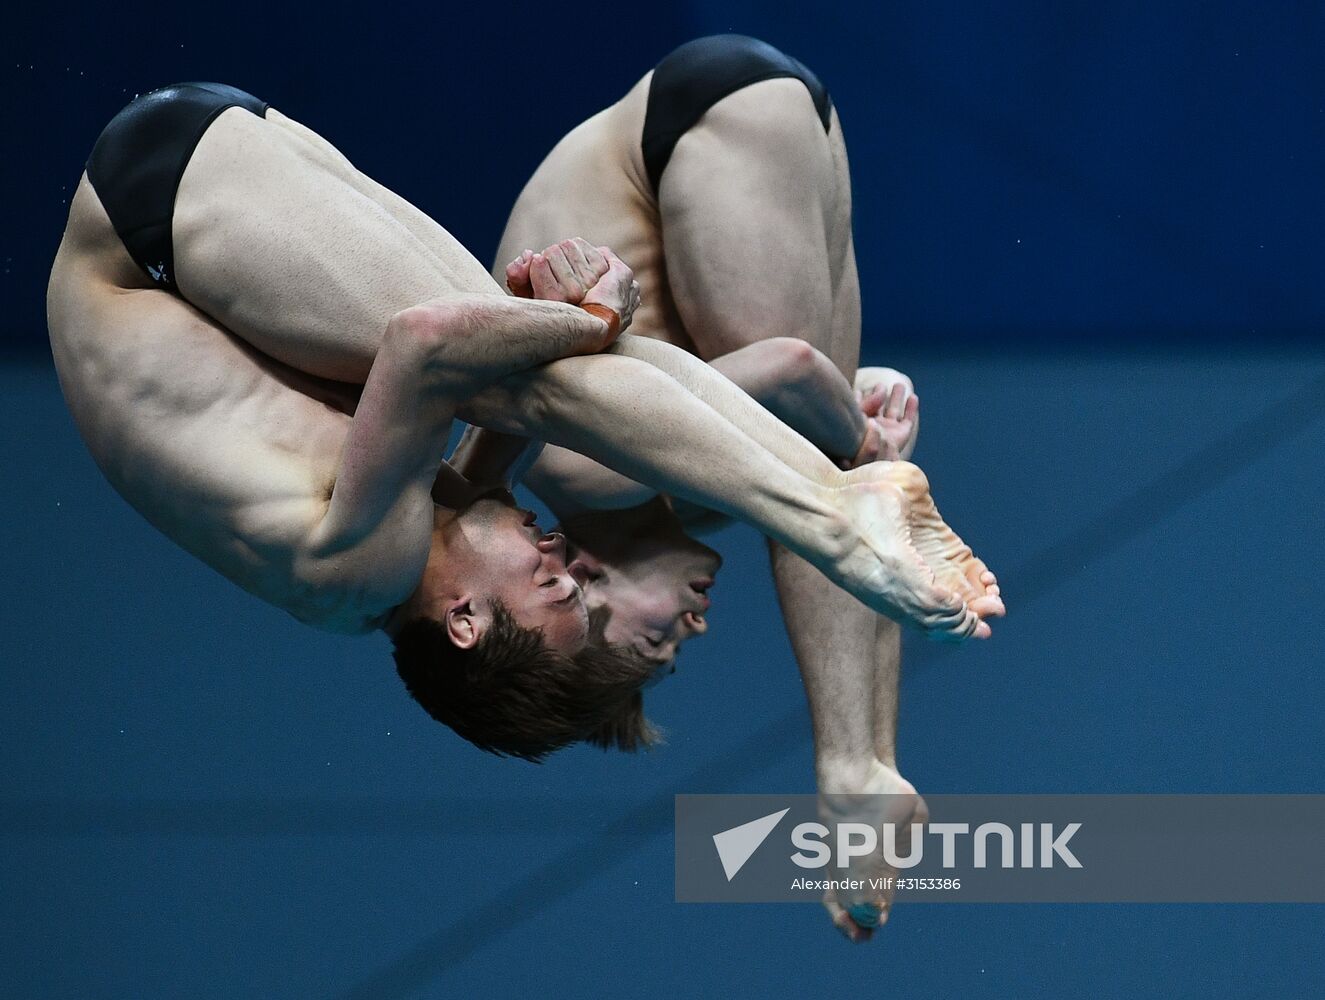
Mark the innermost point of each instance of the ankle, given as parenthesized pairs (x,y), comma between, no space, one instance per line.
(843,775)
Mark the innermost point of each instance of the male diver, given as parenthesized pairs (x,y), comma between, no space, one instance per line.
(722,176)
(265,349)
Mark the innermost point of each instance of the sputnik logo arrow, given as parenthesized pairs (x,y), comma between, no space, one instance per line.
(735,846)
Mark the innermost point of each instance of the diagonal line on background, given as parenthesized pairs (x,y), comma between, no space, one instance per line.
(571,869)
(1200,472)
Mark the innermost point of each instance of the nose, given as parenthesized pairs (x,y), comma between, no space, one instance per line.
(696,623)
(553,544)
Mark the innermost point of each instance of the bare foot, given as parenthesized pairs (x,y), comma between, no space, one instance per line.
(912,566)
(883,798)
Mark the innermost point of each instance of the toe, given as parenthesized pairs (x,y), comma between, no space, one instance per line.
(843,922)
(989,606)
(867,915)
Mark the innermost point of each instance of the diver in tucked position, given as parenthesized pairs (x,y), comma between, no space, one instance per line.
(264,351)
(722,176)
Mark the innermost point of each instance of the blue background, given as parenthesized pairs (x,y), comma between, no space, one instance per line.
(1081,172)
(1091,235)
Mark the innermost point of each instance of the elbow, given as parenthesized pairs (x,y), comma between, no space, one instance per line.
(793,359)
(419,331)
(446,339)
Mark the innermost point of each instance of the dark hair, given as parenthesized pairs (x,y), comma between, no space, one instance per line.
(511,694)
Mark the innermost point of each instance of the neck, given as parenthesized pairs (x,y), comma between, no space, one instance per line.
(394,620)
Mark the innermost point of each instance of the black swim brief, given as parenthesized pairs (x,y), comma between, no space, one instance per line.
(138,161)
(696,76)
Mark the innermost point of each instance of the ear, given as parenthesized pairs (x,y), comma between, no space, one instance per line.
(465,624)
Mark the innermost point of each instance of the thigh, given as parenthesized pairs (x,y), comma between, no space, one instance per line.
(421,227)
(281,241)
(755,208)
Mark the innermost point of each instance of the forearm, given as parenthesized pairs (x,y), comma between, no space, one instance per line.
(733,404)
(633,418)
(475,340)
(800,386)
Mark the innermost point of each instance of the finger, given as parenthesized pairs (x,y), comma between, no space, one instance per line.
(544,282)
(614,261)
(912,408)
(872,445)
(564,274)
(594,258)
(584,274)
(517,276)
(872,401)
(896,401)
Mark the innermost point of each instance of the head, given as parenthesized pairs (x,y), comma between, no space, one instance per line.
(642,570)
(496,641)
(493,553)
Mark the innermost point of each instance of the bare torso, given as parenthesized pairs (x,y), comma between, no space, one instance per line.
(283,251)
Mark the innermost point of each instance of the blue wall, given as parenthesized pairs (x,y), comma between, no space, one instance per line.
(1058,172)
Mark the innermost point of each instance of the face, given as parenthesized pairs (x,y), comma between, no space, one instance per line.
(496,551)
(655,587)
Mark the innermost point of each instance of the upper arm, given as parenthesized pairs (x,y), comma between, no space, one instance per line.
(434,357)
(397,439)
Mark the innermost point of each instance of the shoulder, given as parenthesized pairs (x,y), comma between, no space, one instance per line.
(345,581)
